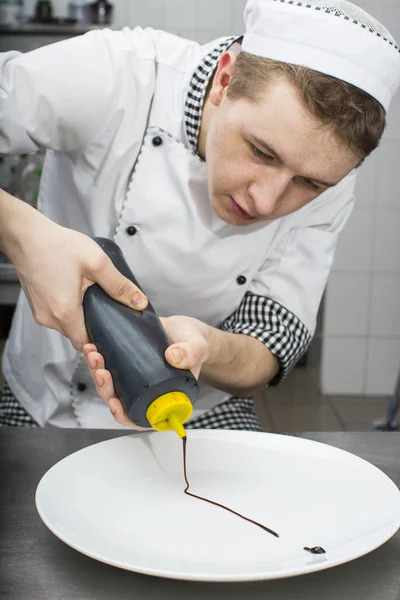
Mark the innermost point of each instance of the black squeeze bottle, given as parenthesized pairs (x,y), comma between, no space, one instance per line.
(133,343)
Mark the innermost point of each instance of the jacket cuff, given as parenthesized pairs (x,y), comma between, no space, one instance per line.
(275,326)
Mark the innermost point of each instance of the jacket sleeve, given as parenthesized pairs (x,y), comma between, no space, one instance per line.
(60,96)
(281,304)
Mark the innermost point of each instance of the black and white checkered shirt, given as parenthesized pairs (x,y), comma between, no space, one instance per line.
(263,318)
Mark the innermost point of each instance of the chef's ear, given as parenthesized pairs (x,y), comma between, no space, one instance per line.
(222,76)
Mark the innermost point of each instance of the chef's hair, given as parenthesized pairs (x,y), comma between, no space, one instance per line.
(354,116)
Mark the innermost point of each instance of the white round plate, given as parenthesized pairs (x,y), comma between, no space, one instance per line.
(122,502)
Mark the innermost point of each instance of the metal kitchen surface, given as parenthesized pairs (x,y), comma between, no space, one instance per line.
(35,565)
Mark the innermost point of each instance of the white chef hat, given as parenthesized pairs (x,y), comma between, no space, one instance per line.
(334,37)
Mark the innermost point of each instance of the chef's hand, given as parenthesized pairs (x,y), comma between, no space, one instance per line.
(189,350)
(56,265)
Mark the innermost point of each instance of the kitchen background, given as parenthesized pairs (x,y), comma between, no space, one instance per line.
(351,369)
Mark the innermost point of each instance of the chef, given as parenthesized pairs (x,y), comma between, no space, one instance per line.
(224,172)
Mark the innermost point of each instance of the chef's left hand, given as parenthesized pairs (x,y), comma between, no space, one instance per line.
(189,350)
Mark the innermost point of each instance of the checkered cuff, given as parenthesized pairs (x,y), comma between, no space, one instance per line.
(275,326)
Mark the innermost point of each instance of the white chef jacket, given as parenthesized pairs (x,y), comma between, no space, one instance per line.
(110,108)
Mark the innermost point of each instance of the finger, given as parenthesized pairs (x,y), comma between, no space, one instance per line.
(119,287)
(187,355)
(104,384)
(88,348)
(105,389)
(95,361)
(119,413)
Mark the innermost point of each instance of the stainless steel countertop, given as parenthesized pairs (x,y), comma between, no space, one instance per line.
(35,565)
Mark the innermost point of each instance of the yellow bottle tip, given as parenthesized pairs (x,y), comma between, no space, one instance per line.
(170,411)
(176,425)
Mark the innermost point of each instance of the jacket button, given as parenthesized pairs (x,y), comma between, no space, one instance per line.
(131,230)
(157,141)
(81,387)
(241,280)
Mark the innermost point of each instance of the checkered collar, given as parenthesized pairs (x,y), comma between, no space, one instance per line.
(197,90)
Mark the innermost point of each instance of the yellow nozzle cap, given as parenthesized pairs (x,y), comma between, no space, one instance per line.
(169,412)
(176,425)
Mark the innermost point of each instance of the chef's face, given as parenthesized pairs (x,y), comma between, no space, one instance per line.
(268,157)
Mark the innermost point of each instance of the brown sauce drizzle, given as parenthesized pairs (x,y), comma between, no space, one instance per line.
(216,503)
(315,550)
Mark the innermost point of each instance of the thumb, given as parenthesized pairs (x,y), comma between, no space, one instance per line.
(183,357)
(119,287)
(75,331)
(187,355)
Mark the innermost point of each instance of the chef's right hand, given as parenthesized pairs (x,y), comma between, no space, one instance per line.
(55,266)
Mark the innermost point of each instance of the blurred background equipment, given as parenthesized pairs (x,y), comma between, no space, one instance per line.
(390,423)
(11,12)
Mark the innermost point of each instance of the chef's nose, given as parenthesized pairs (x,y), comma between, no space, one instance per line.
(268,190)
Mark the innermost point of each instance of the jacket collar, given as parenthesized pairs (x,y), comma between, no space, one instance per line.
(198,88)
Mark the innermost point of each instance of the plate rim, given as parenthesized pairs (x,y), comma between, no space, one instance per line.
(213,577)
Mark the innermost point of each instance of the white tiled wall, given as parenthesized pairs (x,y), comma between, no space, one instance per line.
(354,252)
(381,365)
(386,247)
(361,333)
(343,368)
(347,305)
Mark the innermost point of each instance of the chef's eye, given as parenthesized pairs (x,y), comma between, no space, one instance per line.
(260,154)
(311,184)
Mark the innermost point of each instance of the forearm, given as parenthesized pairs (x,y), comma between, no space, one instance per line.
(237,363)
(15,216)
